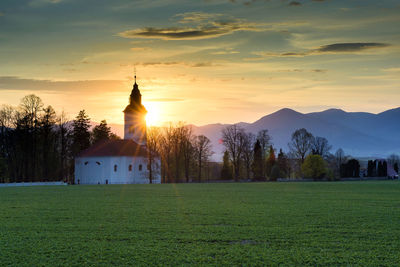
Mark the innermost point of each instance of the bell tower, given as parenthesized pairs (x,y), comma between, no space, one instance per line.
(134,117)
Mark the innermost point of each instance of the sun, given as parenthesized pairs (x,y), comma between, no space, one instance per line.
(153,114)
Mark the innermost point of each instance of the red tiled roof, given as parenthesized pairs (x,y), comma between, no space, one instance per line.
(116,148)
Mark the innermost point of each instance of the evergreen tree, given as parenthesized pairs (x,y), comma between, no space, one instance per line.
(396,167)
(351,169)
(101,132)
(257,166)
(48,138)
(283,164)
(384,169)
(371,168)
(380,169)
(80,133)
(270,160)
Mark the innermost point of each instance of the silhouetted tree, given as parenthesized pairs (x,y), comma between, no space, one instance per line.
(271,160)
(301,143)
(187,141)
(265,142)
(258,164)
(233,140)
(283,164)
(80,133)
(351,169)
(101,132)
(48,136)
(320,146)
(226,171)
(64,133)
(384,168)
(203,151)
(247,155)
(371,168)
(153,145)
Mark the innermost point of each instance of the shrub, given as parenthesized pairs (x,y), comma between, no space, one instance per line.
(313,167)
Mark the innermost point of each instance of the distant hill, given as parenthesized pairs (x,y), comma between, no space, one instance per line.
(359,134)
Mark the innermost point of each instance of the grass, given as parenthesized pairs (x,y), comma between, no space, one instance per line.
(343,223)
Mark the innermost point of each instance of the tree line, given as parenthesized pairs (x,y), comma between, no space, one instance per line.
(37,144)
(185,157)
(253,157)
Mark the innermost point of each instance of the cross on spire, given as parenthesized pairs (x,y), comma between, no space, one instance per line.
(134,69)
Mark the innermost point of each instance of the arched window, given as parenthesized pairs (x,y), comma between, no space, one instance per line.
(115,168)
(140,167)
(86,162)
(130,167)
(98,163)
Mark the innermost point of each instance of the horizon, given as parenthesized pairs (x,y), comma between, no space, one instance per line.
(204,62)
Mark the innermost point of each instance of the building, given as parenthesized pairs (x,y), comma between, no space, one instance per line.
(120,161)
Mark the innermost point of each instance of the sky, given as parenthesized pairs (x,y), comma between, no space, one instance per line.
(203,61)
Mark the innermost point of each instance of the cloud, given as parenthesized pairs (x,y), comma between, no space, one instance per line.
(196,25)
(337,48)
(295,3)
(14,83)
(136,49)
(170,63)
(37,3)
(225,52)
(350,47)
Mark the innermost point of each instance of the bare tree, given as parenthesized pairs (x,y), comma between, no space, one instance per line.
(340,158)
(393,159)
(64,132)
(187,150)
(166,146)
(47,125)
(248,153)
(203,151)
(265,141)
(320,146)
(153,146)
(233,140)
(31,105)
(301,143)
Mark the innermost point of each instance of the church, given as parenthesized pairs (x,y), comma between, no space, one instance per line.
(120,161)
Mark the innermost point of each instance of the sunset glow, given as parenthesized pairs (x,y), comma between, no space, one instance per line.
(201,61)
(153,114)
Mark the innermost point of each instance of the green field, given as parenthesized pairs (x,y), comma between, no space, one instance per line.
(342,223)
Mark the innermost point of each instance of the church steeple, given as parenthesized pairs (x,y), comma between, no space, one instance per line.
(135,97)
(134,116)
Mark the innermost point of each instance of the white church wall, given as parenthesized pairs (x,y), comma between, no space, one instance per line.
(112,170)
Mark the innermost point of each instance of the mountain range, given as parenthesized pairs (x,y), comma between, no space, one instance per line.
(359,134)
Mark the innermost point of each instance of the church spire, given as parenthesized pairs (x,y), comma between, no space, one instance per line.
(134,70)
(135,97)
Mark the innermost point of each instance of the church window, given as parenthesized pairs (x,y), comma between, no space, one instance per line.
(130,167)
(115,168)
(140,167)
(98,163)
(86,162)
